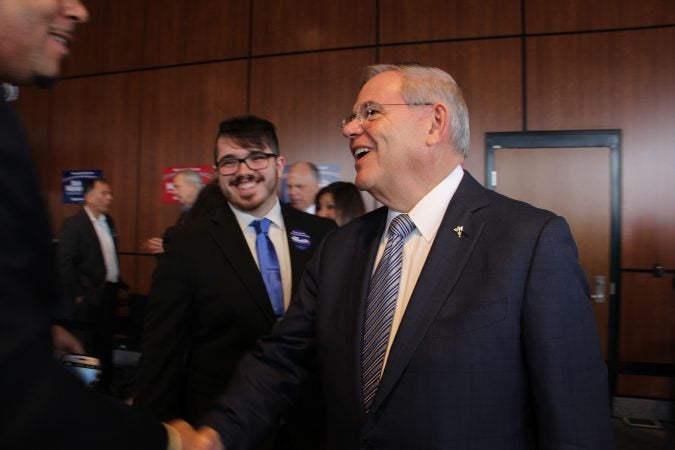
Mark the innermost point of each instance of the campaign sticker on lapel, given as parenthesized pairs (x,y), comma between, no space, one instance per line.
(300,239)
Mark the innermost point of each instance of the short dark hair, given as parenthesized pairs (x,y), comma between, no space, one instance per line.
(90,183)
(248,131)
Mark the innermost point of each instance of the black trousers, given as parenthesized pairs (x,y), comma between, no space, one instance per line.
(100,332)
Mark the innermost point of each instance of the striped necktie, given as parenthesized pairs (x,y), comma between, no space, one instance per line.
(380,306)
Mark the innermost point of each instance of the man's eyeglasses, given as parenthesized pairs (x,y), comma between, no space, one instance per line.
(254,161)
(369,111)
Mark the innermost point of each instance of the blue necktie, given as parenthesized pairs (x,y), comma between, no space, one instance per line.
(381,305)
(269,265)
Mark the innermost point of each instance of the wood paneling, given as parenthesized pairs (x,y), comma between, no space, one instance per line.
(182,31)
(653,301)
(545,16)
(306,97)
(617,80)
(34,106)
(96,126)
(181,110)
(644,386)
(421,20)
(489,74)
(297,25)
(110,40)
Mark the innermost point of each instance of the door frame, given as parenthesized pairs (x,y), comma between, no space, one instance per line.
(579,139)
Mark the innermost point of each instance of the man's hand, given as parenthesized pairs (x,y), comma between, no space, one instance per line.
(203,439)
(65,343)
(153,245)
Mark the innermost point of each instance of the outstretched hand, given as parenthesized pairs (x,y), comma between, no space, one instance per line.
(204,438)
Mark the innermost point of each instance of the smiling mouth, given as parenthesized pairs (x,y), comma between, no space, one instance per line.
(62,37)
(245,183)
(361,152)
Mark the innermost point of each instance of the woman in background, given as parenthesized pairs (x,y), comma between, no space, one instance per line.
(340,201)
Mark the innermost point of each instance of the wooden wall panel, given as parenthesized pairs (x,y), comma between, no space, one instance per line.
(653,300)
(298,25)
(183,31)
(95,125)
(489,74)
(617,80)
(110,40)
(545,16)
(181,110)
(34,106)
(643,386)
(306,96)
(422,20)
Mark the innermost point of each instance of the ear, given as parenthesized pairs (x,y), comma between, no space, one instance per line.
(280,162)
(439,124)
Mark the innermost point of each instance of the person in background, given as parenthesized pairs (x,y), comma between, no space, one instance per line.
(90,272)
(224,280)
(302,185)
(44,405)
(209,199)
(340,201)
(452,317)
(186,187)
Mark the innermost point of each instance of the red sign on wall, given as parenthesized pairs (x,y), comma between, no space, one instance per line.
(205,173)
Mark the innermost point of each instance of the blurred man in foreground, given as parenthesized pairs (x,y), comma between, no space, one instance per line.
(44,406)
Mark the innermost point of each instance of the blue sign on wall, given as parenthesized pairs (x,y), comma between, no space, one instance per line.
(72,182)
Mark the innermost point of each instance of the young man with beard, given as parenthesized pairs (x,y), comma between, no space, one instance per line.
(215,292)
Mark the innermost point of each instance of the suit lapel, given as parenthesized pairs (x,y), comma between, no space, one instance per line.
(88,227)
(445,262)
(227,234)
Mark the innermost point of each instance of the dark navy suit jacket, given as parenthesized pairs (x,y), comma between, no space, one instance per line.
(497,348)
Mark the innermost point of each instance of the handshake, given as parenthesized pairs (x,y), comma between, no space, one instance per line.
(183,437)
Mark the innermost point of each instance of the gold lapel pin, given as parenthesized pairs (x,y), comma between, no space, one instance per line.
(459,229)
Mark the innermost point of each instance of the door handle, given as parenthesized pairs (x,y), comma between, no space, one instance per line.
(598,295)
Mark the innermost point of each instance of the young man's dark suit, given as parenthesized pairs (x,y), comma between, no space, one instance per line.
(497,348)
(44,406)
(83,274)
(208,305)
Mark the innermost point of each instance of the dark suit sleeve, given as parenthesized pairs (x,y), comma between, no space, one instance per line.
(268,380)
(568,376)
(69,258)
(165,333)
(43,406)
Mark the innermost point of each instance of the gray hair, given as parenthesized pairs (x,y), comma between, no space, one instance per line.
(191,176)
(426,84)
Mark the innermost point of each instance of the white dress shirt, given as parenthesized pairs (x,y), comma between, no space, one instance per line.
(105,239)
(427,215)
(277,234)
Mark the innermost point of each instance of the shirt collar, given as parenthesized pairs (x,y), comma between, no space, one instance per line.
(274,215)
(93,218)
(428,213)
